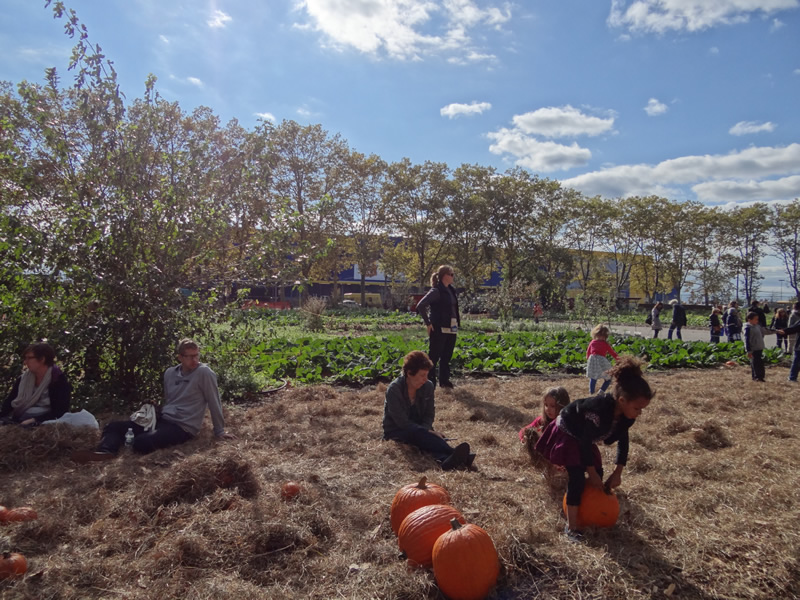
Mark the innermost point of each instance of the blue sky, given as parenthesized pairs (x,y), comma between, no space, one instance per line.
(689,99)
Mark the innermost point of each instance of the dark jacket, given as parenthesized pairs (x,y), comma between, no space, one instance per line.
(794,329)
(762,314)
(59,391)
(591,420)
(678,315)
(398,412)
(436,307)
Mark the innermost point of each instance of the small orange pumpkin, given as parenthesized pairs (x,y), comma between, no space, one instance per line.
(413,496)
(12,564)
(465,562)
(597,509)
(421,528)
(16,515)
(290,490)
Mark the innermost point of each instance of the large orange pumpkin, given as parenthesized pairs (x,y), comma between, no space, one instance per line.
(421,528)
(413,496)
(597,509)
(12,564)
(465,562)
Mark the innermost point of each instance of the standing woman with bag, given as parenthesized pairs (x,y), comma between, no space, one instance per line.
(439,310)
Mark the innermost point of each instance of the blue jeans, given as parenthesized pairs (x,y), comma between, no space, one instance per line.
(165,434)
(593,383)
(676,329)
(795,368)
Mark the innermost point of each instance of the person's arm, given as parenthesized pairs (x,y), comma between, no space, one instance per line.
(611,351)
(423,306)
(211,395)
(429,408)
(790,330)
(748,343)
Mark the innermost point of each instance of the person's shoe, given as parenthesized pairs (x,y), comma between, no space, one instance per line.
(457,458)
(470,459)
(87,456)
(573,535)
(447,384)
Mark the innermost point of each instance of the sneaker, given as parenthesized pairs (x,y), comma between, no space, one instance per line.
(457,458)
(86,456)
(573,535)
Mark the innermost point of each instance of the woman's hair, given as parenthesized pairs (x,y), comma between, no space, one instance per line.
(414,361)
(41,351)
(732,304)
(659,304)
(441,272)
(781,312)
(600,331)
(715,310)
(561,396)
(628,380)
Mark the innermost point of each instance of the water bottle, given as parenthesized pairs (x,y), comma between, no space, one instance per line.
(129,438)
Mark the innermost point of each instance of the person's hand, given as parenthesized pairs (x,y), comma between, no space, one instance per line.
(614,480)
(430,329)
(28,422)
(226,436)
(780,332)
(437,433)
(749,355)
(594,478)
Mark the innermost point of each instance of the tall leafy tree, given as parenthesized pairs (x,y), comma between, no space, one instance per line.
(785,240)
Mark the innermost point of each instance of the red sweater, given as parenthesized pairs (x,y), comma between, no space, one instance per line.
(600,347)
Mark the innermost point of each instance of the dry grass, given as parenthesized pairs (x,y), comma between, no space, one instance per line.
(709,501)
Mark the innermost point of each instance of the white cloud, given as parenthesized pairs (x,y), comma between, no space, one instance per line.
(266,116)
(456,110)
(757,164)
(563,121)
(776,24)
(748,127)
(796,71)
(659,16)
(195,81)
(218,19)
(164,39)
(713,50)
(654,107)
(750,190)
(403,29)
(537,155)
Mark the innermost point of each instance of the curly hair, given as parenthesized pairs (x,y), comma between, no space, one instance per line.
(414,361)
(629,383)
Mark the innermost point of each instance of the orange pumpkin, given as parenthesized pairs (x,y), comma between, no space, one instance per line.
(15,515)
(12,564)
(465,562)
(413,496)
(597,509)
(421,528)
(290,490)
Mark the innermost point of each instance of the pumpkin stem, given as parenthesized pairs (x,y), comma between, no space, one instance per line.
(455,524)
(423,480)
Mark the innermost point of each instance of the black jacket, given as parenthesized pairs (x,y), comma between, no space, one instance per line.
(59,391)
(435,308)
(591,420)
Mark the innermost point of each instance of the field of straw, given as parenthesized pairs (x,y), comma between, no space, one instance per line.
(710,506)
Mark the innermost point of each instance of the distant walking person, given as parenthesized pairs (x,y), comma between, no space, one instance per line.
(715,324)
(678,319)
(439,310)
(655,316)
(780,320)
(733,322)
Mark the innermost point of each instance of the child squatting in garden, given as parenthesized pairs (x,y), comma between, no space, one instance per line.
(554,399)
(597,365)
(569,441)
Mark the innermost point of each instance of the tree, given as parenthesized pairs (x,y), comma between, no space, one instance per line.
(309,176)
(748,233)
(367,209)
(652,224)
(469,211)
(418,197)
(785,240)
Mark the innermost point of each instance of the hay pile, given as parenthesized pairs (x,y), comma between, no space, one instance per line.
(709,500)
